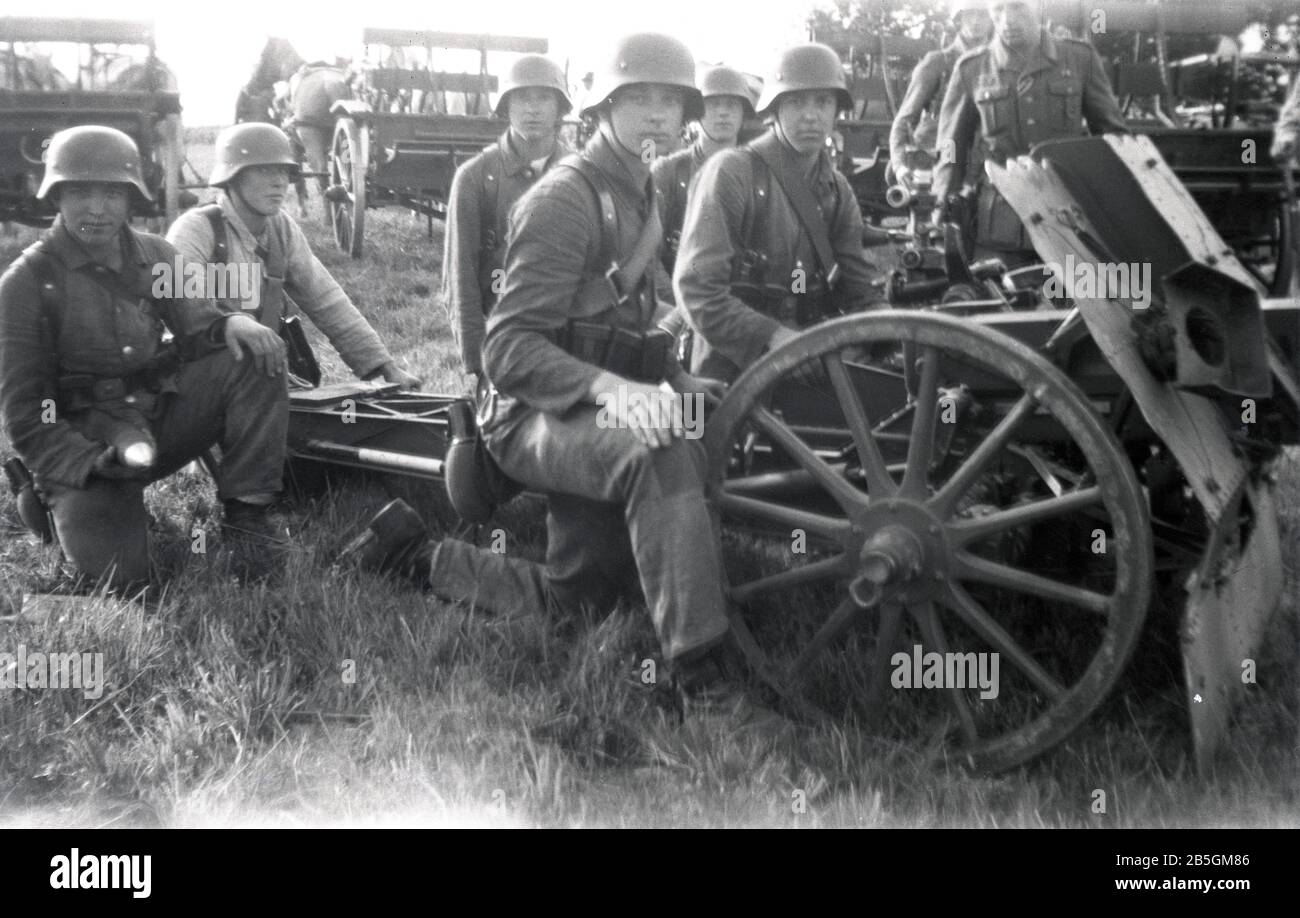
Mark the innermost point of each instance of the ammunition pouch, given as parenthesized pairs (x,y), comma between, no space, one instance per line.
(796,310)
(301,358)
(639,356)
(31,509)
(476,486)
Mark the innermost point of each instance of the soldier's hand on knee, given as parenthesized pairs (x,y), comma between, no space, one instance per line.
(653,413)
(265,347)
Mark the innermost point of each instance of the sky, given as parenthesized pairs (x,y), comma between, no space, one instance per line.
(212,46)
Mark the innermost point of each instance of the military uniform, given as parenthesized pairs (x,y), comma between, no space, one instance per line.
(672,176)
(1012,105)
(90,347)
(1286,134)
(741,246)
(482,193)
(302,276)
(917,121)
(619,511)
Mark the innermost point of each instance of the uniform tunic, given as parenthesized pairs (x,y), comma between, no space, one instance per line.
(672,176)
(1011,104)
(917,121)
(306,280)
(731,334)
(476,240)
(620,513)
(1288,120)
(111,334)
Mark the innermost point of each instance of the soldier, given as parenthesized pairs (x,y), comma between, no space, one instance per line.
(254,166)
(917,121)
(533,97)
(1286,135)
(82,317)
(728,102)
(1022,88)
(772,240)
(571,347)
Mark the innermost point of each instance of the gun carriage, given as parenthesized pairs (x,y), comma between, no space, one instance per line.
(399,143)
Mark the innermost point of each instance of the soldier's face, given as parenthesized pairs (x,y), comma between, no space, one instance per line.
(1015,21)
(975,26)
(534,112)
(646,118)
(723,116)
(262,188)
(94,212)
(807,118)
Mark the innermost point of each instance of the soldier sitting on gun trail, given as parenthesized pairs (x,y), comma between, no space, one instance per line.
(728,102)
(484,190)
(772,240)
(246,227)
(1022,88)
(573,331)
(917,122)
(85,366)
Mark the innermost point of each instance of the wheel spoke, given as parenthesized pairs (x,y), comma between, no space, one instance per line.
(974,615)
(943,502)
(970,567)
(932,634)
(963,532)
(921,449)
(818,524)
(891,622)
(836,485)
(824,569)
(879,482)
(776,482)
(845,614)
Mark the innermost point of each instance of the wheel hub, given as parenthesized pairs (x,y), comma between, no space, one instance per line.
(903,557)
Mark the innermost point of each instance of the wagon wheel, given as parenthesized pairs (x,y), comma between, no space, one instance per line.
(906,520)
(349,158)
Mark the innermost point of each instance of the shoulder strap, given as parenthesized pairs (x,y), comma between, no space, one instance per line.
(806,208)
(625,277)
(604,203)
(49,287)
(220,250)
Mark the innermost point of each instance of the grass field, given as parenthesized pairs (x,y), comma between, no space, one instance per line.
(335,698)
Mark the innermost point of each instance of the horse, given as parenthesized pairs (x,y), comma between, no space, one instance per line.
(31,71)
(275,64)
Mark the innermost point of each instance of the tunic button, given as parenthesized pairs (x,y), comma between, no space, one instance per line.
(130,399)
(1029,99)
(1029,121)
(128,351)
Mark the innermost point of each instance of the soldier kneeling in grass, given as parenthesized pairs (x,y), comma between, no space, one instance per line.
(94,401)
(246,227)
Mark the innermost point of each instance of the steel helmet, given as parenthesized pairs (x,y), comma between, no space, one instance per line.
(727,81)
(810,66)
(534,70)
(251,144)
(647,57)
(957,7)
(92,153)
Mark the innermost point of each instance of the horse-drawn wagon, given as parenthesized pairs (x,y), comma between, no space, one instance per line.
(399,143)
(1016,479)
(119,83)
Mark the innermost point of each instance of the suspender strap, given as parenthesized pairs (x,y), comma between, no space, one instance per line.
(624,279)
(806,208)
(490,238)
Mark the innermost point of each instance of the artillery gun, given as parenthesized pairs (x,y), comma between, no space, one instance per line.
(1016,482)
